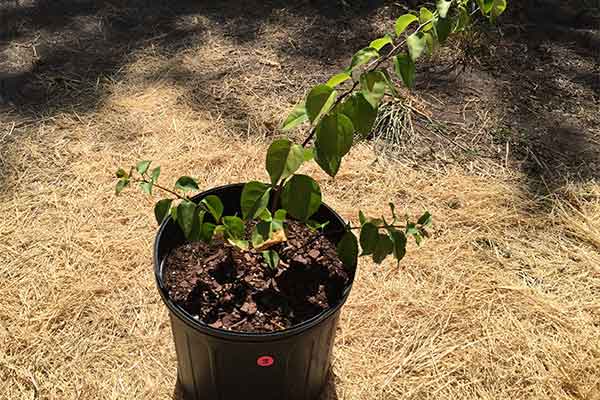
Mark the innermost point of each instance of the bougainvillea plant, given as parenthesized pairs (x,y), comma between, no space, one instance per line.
(338,111)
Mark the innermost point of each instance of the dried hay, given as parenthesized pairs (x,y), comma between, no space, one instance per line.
(501,303)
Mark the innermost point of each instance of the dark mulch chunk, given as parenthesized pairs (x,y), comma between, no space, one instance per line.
(232,289)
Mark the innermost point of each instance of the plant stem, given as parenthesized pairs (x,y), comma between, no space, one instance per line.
(162,188)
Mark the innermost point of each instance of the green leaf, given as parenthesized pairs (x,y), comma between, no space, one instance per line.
(373,86)
(390,83)
(380,43)
(393,210)
(301,197)
(255,199)
(185,217)
(142,166)
(431,41)
(485,6)
(271,258)
(242,244)
(121,184)
(214,206)
(319,101)
(174,213)
(399,241)
(363,56)
(369,234)
(121,173)
(234,227)
(261,233)
(361,217)
(405,69)
(186,184)
(196,232)
(360,112)
(280,215)
(425,219)
(155,174)
(464,19)
(283,159)
(338,79)
(426,19)
(403,22)
(297,117)
(266,215)
(316,225)
(498,7)
(416,45)
(383,247)
(443,6)
(443,29)
(206,232)
(309,154)
(146,187)
(347,250)
(161,209)
(334,139)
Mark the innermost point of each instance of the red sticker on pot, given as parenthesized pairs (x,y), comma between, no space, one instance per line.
(265,361)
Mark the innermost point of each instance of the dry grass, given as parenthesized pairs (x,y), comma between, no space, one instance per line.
(502,302)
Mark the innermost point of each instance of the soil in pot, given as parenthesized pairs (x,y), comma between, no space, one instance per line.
(231,289)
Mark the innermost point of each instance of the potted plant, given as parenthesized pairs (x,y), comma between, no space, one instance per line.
(254,275)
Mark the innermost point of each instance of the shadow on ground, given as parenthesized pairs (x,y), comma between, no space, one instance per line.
(57,52)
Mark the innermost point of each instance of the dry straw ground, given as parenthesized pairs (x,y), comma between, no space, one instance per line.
(501,303)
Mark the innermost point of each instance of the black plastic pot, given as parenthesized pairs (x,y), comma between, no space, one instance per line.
(215,364)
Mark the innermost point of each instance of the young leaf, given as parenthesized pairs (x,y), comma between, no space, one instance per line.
(266,215)
(319,101)
(301,197)
(283,159)
(416,45)
(426,19)
(360,112)
(297,116)
(186,184)
(146,187)
(255,199)
(383,248)
(280,215)
(261,233)
(361,217)
(363,56)
(380,43)
(405,68)
(403,22)
(206,232)
(485,6)
(121,184)
(373,86)
(142,166)
(185,217)
(174,213)
(443,6)
(309,154)
(464,19)
(234,227)
(334,139)
(161,209)
(338,79)
(214,205)
(271,258)
(155,174)
(369,234)
(431,41)
(347,250)
(121,173)
(498,7)
(316,225)
(399,241)
(239,243)
(425,219)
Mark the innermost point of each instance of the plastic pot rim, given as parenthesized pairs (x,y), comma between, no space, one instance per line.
(232,335)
